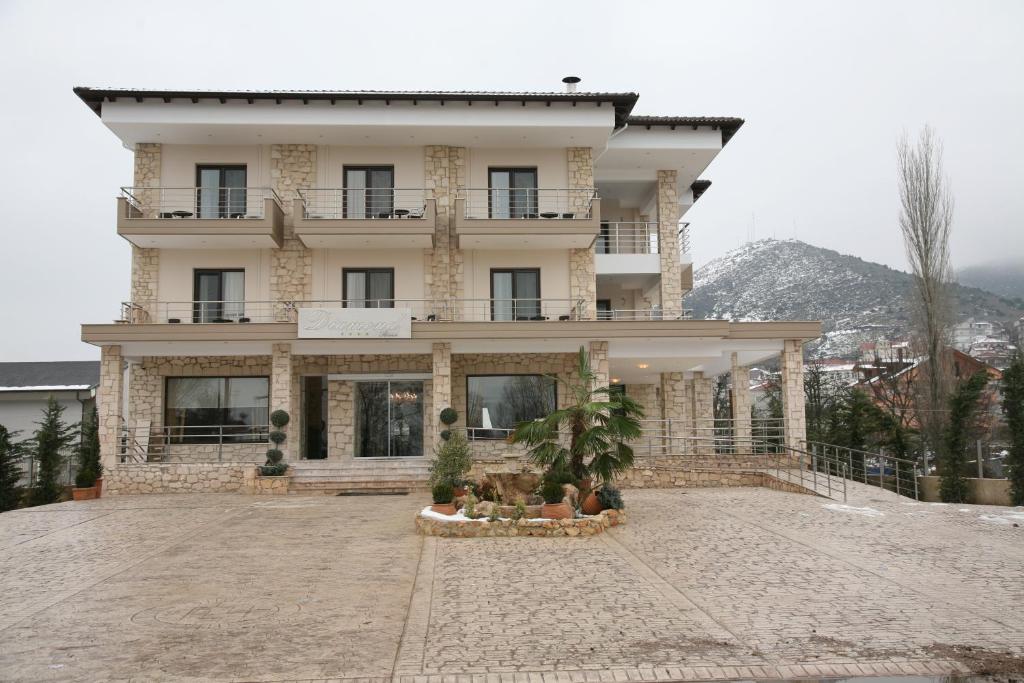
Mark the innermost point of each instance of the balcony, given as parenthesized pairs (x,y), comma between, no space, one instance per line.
(628,248)
(525,218)
(200,217)
(365,218)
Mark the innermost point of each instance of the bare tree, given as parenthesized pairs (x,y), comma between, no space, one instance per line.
(926,217)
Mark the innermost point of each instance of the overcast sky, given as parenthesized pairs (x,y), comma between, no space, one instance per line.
(826,88)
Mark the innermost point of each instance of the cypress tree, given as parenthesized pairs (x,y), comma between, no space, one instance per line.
(52,438)
(89,466)
(1013,408)
(10,469)
(963,405)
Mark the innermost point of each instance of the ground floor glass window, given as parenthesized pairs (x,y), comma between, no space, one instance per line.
(208,409)
(389,419)
(497,403)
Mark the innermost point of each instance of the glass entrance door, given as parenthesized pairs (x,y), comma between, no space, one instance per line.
(389,419)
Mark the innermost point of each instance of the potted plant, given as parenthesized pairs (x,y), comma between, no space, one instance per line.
(610,498)
(85,485)
(274,467)
(554,506)
(443,495)
(452,462)
(89,450)
(591,505)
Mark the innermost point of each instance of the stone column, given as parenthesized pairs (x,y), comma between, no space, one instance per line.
(292,168)
(582,271)
(109,398)
(281,396)
(742,429)
(703,412)
(676,410)
(146,261)
(794,419)
(598,353)
(439,185)
(340,420)
(441,388)
(668,241)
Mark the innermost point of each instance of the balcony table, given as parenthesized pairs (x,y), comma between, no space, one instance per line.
(549,214)
(401,213)
(181,214)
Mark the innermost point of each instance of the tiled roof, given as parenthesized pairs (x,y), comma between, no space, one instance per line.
(69,373)
(728,124)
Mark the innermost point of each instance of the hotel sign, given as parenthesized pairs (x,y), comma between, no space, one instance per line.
(355,323)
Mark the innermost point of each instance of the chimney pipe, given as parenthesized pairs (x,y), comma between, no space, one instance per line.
(570,83)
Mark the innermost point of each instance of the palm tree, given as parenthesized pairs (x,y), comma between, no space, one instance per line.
(599,422)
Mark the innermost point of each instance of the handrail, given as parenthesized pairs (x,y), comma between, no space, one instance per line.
(628,237)
(193,203)
(527,203)
(360,203)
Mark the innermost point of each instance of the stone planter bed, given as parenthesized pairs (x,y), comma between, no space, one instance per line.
(430,523)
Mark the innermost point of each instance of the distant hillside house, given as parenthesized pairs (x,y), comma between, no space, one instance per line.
(26,387)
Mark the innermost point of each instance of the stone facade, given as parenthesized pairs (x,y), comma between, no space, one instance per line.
(292,168)
(445,172)
(668,240)
(441,386)
(740,401)
(793,415)
(341,427)
(282,391)
(677,408)
(176,478)
(678,473)
(598,354)
(146,262)
(475,528)
(109,396)
(582,271)
(702,393)
(268,486)
(648,396)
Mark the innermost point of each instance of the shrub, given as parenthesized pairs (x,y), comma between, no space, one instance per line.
(274,456)
(560,476)
(277,437)
(552,492)
(452,461)
(446,434)
(485,490)
(53,437)
(279,418)
(275,470)
(86,478)
(469,509)
(442,493)
(610,497)
(493,517)
(520,510)
(449,416)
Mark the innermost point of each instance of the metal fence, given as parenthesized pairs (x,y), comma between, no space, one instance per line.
(29,467)
(364,203)
(191,203)
(527,203)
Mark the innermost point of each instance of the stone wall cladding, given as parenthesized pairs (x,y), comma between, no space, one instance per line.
(703,410)
(292,168)
(145,279)
(268,486)
(108,402)
(146,262)
(740,401)
(441,387)
(341,428)
(284,395)
(668,240)
(598,353)
(175,478)
(582,271)
(794,417)
(648,397)
(677,404)
(439,185)
(478,528)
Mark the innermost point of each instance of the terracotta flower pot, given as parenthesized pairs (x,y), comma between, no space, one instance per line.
(459,491)
(591,505)
(99,487)
(83,494)
(556,511)
(443,508)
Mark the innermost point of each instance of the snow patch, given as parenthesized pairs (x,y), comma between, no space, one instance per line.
(867,512)
(1005,518)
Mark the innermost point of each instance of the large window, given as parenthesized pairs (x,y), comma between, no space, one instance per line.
(497,403)
(208,409)
(368,287)
(515,294)
(220,191)
(512,193)
(369,191)
(218,295)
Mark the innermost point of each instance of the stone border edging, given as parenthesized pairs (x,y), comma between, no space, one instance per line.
(480,528)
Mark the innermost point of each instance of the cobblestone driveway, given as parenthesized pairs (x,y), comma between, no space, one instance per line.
(700,584)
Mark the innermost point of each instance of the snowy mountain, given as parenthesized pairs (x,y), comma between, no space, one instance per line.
(1005,279)
(856,300)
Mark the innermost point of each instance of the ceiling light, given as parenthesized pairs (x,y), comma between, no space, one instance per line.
(642,366)
(615,380)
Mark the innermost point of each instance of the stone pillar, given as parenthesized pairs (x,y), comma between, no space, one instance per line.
(598,353)
(794,419)
(439,185)
(742,429)
(676,410)
(441,388)
(340,420)
(703,395)
(668,242)
(281,396)
(582,271)
(109,397)
(146,261)
(292,168)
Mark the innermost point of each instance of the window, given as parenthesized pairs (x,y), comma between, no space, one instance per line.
(515,294)
(368,287)
(218,295)
(369,191)
(220,191)
(512,193)
(208,409)
(497,403)
(604,309)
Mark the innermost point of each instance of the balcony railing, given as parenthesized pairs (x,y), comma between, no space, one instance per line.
(197,203)
(528,203)
(627,238)
(422,310)
(364,203)
(684,238)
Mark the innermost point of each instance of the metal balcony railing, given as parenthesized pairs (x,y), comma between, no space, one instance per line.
(684,238)
(197,202)
(527,203)
(364,203)
(654,313)
(627,238)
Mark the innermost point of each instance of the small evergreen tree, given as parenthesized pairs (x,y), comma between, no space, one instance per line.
(963,406)
(1013,408)
(10,470)
(89,450)
(52,437)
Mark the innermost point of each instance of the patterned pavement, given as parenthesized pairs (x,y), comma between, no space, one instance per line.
(701,584)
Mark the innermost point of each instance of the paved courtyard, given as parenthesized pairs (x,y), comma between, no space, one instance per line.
(700,584)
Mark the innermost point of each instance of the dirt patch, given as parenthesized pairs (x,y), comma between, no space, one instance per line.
(981,661)
(689,645)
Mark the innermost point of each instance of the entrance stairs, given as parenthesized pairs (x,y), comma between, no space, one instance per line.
(359,476)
